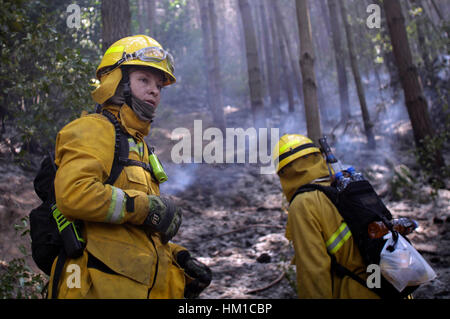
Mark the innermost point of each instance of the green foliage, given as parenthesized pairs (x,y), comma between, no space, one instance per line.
(409,184)
(45,77)
(17,279)
(404,185)
(427,157)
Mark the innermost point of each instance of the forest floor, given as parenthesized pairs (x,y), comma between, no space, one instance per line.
(234,217)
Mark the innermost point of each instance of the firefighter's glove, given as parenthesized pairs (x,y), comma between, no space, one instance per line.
(164,217)
(201,274)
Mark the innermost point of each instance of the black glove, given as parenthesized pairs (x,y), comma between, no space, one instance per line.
(200,272)
(164,217)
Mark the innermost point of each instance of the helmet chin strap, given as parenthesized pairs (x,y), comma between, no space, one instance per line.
(126,87)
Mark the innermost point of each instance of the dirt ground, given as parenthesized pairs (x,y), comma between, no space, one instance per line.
(234,221)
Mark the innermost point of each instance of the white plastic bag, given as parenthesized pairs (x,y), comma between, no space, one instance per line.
(404,266)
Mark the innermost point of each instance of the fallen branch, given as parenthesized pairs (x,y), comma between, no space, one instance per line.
(247,227)
(273,283)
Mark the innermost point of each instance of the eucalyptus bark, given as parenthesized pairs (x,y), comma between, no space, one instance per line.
(368,125)
(116,21)
(314,130)
(254,75)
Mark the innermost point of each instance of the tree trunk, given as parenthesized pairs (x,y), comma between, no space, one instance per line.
(436,9)
(276,59)
(388,55)
(216,73)
(215,105)
(290,50)
(141,16)
(423,44)
(368,125)
(340,61)
(151,17)
(284,58)
(261,48)
(416,103)
(268,46)
(254,76)
(314,130)
(116,19)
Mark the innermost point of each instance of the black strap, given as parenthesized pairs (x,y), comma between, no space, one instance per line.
(126,87)
(341,271)
(58,271)
(121,148)
(130,162)
(121,152)
(94,262)
(329,191)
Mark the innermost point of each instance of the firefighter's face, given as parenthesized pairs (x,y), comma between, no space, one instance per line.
(146,85)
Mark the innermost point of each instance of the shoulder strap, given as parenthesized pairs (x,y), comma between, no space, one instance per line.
(58,271)
(121,152)
(331,192)
(121,148)
(341,271)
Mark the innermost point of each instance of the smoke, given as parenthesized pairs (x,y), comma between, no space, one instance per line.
(387,113)
(180,177)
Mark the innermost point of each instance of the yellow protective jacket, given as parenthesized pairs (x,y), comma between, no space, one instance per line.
(133,263)
(312,222)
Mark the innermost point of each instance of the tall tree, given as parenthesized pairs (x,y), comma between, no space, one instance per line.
(339,55)
(254,76)
(283,44)
(281,20)
(150,6)
(261,49)
(116,21)
(416,102)
(314,130)
(212,68)
(268,47)
(276,57)
(142,21)
(216,72)
(368,125)
(388,55)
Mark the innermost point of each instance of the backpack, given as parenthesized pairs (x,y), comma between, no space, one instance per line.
(359,205)
(47,242)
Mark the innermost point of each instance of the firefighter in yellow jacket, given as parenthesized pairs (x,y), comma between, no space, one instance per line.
(315,226)
(127,226)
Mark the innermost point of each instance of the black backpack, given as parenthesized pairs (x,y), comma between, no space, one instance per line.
(359,205)
(46,241)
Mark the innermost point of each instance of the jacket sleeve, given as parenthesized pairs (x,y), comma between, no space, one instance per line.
(84,156)
(311,258)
